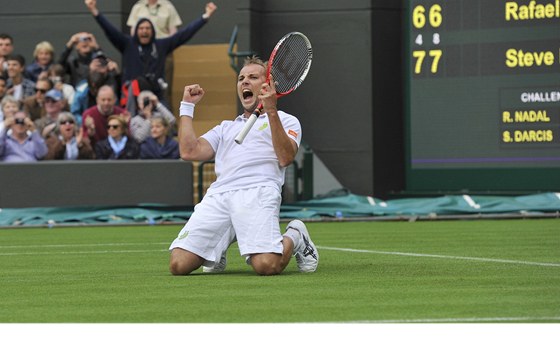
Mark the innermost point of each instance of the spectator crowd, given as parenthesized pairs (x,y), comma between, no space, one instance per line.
(82,104)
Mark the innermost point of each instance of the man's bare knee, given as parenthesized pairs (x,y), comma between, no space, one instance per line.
(267,264)
(183,262)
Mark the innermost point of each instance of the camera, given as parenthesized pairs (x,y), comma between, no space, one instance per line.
(85,38)
(146,102)
(20,121)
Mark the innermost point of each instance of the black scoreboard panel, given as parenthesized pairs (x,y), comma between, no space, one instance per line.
(483,95)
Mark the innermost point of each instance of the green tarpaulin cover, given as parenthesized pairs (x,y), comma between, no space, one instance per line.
(347,205)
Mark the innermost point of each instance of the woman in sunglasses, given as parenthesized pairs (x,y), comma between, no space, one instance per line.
(67,141)
(118,145)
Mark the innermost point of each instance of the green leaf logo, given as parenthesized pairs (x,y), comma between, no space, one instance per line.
(264,126)
(184,235)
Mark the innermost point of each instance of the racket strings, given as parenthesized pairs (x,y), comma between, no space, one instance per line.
(291,63)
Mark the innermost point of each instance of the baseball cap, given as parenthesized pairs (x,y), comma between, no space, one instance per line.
(54,94)
(98,54)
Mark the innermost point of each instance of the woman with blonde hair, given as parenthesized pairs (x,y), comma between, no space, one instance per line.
(159,145)
(8,107)
(43,58)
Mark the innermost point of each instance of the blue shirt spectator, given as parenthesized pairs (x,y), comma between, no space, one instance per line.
(20,141)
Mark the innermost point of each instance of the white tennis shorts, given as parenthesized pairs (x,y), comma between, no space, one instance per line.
(251,215)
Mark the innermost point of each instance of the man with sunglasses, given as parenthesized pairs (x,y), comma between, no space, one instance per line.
(35,105)
(54,105)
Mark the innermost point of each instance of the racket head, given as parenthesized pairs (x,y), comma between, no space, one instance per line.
(290,62)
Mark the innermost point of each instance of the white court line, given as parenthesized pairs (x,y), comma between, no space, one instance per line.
(505,261)
(85,252)
(464,320)
(79,245)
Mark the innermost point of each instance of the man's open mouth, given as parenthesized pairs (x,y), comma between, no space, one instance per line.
(247,94)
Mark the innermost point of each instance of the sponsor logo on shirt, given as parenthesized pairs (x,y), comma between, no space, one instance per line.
(264,126)
(292,133)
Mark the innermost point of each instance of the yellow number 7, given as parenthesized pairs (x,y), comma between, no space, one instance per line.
(436,54)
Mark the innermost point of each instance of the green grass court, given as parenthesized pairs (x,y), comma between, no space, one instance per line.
(496,271)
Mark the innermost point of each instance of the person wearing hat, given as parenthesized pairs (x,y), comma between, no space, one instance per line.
(102,71)
(54,105)
(143,55)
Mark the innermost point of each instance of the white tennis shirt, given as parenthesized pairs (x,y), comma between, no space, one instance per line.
(254,162)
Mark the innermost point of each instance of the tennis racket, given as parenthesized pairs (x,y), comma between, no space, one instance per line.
(289,64)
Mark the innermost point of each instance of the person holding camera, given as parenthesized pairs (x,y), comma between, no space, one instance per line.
(56,75)
(76,56)
(20,141)
(149,108)
(8,108)
(102,71)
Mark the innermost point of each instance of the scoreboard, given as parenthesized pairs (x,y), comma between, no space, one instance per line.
(483,95)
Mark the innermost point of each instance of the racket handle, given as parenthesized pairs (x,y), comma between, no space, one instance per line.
(248,125)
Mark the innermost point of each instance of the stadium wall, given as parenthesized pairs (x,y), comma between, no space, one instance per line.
(96,183)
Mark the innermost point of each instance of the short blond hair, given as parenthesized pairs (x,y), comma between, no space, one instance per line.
(254,60)
(43,46)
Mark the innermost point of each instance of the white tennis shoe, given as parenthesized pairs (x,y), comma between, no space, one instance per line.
(220,266)
(306,254)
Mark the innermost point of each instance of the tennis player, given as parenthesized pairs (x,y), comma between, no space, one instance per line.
(244,202)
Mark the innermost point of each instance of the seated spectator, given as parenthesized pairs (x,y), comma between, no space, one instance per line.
(35,105)
(8,108)
(159,145)
(3,87)
(43,58)
(6,49)
(76,56)
(96,118)
(67,141)
(117,145)
(54,104)
(102,71)
(18,86)
(56,76)
(20,141)
(149,107)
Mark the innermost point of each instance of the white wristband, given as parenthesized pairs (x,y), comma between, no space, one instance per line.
(186,109)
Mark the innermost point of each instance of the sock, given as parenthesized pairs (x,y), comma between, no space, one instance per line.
(295,236)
